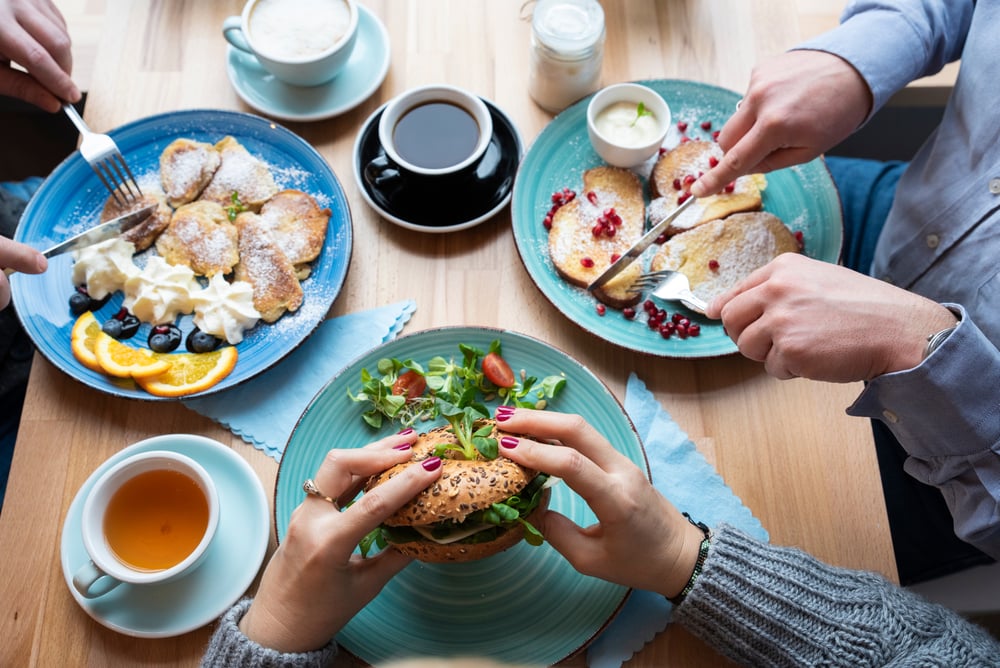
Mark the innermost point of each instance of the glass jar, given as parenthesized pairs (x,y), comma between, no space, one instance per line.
(567,50)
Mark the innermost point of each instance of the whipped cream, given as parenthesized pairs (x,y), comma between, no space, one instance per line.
(160,291)
(103,268)
(225,310)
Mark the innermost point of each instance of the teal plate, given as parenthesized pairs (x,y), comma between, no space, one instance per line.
(526,605)
(804,197)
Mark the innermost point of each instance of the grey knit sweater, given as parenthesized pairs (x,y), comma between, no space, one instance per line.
(759,605)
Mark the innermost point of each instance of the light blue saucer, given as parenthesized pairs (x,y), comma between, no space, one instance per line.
(361,76)
(230,565)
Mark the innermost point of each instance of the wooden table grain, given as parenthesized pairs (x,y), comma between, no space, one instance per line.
(787,449)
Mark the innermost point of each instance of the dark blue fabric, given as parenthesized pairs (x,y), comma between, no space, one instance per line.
(923,534)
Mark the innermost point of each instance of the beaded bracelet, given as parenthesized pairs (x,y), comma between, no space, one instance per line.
(698,565)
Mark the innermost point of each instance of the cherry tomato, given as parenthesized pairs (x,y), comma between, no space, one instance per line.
(497,370)
(410,383)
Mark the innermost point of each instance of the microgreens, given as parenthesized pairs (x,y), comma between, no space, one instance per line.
(235,208)
(640,111)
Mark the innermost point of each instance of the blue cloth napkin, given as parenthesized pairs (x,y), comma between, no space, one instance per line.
(249,409)
(682,475)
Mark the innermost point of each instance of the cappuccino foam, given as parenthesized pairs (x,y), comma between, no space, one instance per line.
(296,29)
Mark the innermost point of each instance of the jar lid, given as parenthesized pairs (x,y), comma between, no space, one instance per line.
(568,26)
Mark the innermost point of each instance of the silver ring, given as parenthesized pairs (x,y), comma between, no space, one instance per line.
(310,488)
(739,103)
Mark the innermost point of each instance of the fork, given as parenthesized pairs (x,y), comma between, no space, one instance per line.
(670,286)
(101,152)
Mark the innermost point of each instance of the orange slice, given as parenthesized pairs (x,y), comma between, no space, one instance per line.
(121,361)
(82,339)
(190,372)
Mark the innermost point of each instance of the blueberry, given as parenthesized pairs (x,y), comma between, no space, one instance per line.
(112,328)
(79,303)
(130,325)
(164,338)
(201,342)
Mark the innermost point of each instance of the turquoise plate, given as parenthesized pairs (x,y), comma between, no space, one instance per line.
(362,75)
(804,197)
(526,605)
(231,562)
(71,198)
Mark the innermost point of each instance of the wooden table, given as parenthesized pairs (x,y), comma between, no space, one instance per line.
(787,449)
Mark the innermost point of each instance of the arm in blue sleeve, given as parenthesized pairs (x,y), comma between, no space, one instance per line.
(945,412)
(893,43)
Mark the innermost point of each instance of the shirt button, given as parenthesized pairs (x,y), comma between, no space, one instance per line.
(890,416)
(933,240)
(995,186)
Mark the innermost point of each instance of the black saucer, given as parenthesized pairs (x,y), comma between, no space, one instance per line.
(448,203)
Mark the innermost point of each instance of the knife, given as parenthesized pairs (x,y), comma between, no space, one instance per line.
(639,246)
(99,233)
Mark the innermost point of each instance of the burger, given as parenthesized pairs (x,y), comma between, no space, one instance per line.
(479,506)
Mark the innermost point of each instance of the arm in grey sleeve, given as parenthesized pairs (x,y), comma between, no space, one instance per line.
(764,605)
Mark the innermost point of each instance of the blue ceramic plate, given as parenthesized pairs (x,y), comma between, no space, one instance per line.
(362,75)
(231,562)
(804,197)
(526,605)
(70,200)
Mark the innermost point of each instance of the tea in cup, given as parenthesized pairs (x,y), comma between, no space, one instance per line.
(301,42)
(148,519)
(431,131)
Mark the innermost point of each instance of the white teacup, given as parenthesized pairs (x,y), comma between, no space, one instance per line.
(301,42)
(148,519)
(435,130)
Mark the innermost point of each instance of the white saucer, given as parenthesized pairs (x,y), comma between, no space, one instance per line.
(230,566)
(361,76)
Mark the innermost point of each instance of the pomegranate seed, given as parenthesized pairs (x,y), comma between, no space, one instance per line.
(122,312)
(648,306)
(652,322)
(713,265)
(665,332)
(662,239)
(677,184)
(676,318)
(592,197)
(800,239)
(682,332)
(661,151)
(682,126)
(683,322)
(161,329)
(601,309)
(682,197)
(715,135)
(609,232)
(689,179)
(685,139)
(628,312)
(694,329)
(615,257)
(712,161)
(547,222)
(706,125)
(557,198)
(586,262)
(597,229)
(730,187)
(662,315)
(669,326)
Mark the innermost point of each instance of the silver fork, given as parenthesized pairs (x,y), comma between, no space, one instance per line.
(670,286)
(101,152)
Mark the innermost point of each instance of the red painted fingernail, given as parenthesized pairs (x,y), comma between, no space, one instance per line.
(503,413)
(509,442)
(401,446)
(431,463)
(407,431)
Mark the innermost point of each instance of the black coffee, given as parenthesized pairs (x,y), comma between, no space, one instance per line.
(435,134)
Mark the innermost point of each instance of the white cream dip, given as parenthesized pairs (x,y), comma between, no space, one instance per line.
(160,292)
(621,124)
(103,268)
(225,309)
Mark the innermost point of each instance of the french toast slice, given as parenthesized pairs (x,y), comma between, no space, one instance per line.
(721,253)
(241,173)
(675,171)
(200,236)
(264,265)
(581,245)
(186,167)
(146,232)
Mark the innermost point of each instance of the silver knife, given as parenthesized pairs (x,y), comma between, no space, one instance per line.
(639,246)
(98,233)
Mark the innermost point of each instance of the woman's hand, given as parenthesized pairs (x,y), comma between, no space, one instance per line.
(636,524)
(314,583)
(17,256)
(33,34)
